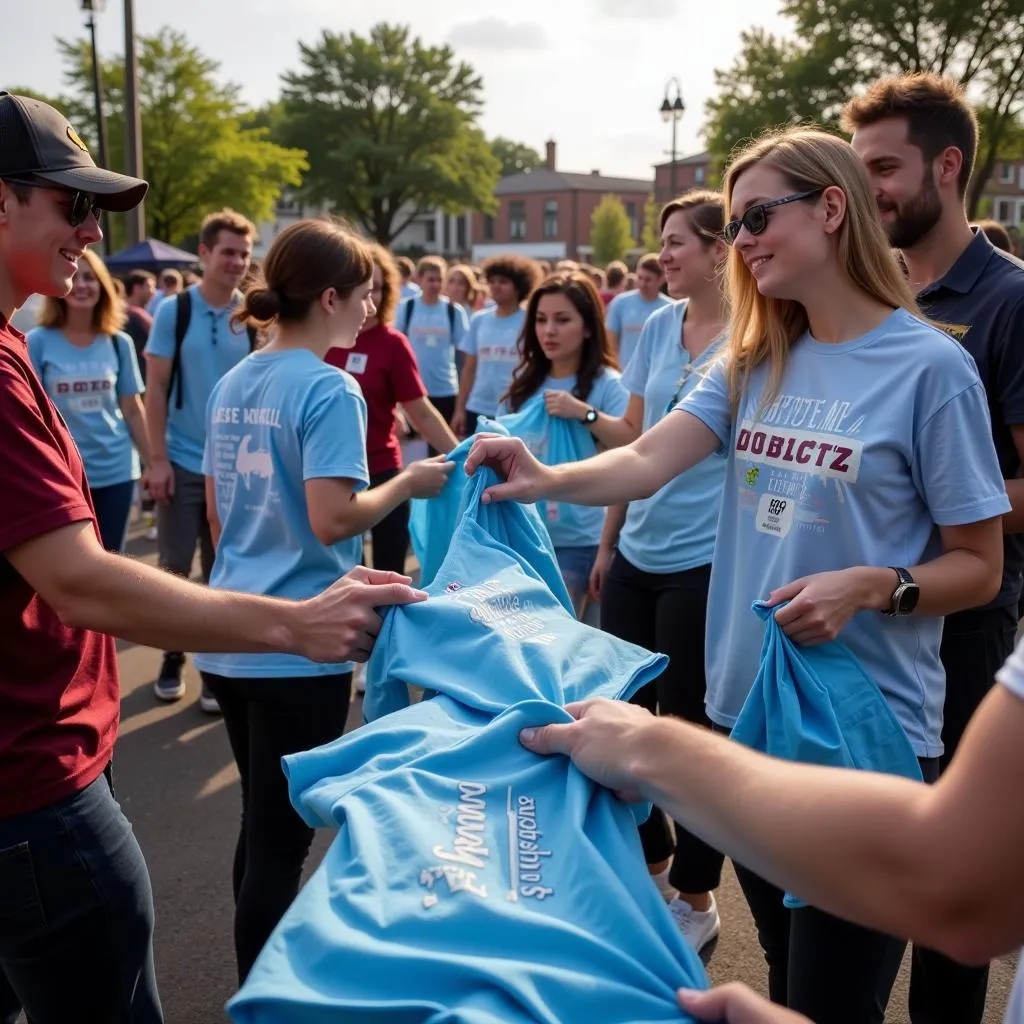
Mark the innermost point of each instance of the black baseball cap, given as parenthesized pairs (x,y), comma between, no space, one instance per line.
(37,141)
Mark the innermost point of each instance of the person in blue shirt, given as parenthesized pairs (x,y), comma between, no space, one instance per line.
(89,369)
(653,567)
(569,367)
(435,326)
(171,284)
(492,347)
(628,312)
(406,269)
(863,498)
(285,479)
(177,421)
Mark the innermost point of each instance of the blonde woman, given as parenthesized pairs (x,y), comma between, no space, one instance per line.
(862,492)
(463,288)
(89,369)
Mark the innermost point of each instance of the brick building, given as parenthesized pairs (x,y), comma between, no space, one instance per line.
(545,213)
(691,172)
(1005,193)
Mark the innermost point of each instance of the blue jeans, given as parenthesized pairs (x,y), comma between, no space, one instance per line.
(113,506)
(575,564)
(76,915)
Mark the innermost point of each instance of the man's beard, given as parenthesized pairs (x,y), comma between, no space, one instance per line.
(917,218)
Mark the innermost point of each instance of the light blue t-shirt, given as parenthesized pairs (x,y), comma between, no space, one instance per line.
(869,446)
(673,530)
(574,525)
(86,385)
(627,314)
(494,340)
(277,420)
(210,348)
(410,290)
(434,337)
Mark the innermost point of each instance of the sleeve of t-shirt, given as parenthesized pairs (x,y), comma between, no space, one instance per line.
(955,467)
(638,369)
(405,375)
(161,337)
(334,432)
(709,402)
(615,314)
(40,492)
(1011,675)
(461,325)
(469,342)
(129,379)
(612,397)
(1008,366)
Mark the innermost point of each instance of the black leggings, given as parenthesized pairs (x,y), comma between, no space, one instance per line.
(821,966)
(666,612)
(391,534)
(266,719)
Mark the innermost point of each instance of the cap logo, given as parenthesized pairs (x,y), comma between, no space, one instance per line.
(74,137)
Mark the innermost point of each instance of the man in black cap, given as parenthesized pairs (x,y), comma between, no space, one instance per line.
(76,908)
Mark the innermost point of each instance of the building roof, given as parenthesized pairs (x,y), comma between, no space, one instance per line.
(693,158)
(544,180)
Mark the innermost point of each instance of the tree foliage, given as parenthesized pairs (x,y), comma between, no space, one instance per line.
(650,237)
(390,126)
(840,45)
(514,157)
(610,236)
(201,149)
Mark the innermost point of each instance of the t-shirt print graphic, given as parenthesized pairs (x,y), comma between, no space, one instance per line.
(252,463)
(471,880)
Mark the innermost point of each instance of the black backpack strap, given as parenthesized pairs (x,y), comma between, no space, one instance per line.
(451,320)
(407,315)
(182,315)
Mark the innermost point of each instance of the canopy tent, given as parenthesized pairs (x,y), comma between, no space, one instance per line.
(151,255)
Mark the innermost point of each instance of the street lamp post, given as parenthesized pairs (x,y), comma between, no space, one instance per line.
(672,108)
(92,8)
(133,123)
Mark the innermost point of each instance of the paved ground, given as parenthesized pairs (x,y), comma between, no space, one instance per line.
(177,782)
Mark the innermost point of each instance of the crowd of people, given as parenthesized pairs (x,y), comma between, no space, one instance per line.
(811,396)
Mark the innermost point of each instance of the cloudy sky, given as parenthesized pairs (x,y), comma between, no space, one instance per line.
(588,73)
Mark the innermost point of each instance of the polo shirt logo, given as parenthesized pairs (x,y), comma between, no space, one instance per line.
(957,331)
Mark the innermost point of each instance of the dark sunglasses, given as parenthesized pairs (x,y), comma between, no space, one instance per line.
(81,202)
(755,220)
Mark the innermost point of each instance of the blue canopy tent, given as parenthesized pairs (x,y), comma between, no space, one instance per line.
(152,255)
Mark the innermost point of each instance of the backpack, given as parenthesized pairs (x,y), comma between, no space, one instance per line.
(182,316)
(407,317)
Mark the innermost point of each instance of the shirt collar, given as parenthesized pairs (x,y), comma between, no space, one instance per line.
(969,266)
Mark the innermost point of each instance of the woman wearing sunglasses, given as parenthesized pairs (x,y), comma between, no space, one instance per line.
(862,498)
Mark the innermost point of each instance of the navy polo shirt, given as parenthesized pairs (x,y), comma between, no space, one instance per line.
(980,301)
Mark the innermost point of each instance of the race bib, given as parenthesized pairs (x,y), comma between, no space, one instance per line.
(775,515)
(356,362)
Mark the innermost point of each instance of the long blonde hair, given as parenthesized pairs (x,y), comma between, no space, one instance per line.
(763,329)
(108,315)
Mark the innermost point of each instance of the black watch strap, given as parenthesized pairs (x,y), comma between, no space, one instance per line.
(902,575)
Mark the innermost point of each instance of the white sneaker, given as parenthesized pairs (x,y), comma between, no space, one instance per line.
(359,677)
(668,892)
(699,927)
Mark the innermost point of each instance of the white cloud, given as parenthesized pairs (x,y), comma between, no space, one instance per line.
(638,10)
(496,34)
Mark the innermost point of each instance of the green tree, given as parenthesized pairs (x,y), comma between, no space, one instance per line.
(390,126)
(202,150)
(515,157)
(609,231)
(839,45)
(650,237)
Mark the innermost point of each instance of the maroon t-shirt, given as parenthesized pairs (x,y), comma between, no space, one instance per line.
(59,693)
(385,365)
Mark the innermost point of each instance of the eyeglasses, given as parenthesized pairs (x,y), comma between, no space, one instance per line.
(82,203)
(755,220)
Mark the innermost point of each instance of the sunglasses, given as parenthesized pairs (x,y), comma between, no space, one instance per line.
(82,203)
(755,220)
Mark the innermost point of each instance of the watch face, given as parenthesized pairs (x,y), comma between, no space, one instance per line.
(907,597)
(591,416)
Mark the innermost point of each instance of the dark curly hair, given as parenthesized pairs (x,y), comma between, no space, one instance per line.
(522,272)
(597,352)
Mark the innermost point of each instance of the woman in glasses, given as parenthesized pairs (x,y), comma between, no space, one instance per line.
(569,365)
(653,565)
(862,497)
(89,368)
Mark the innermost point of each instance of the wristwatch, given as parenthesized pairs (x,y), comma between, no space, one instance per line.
(590,417)
(906,594)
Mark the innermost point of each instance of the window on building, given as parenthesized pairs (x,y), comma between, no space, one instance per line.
(1005,210)
(550,218)
(1008,174)
(517,219)
(488,228)
(698,175)
(631,214)
(430,230)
